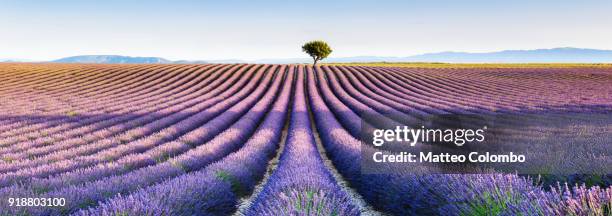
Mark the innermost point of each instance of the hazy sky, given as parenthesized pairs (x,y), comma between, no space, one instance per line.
(45,30)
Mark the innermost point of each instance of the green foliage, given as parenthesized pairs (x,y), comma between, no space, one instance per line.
(40,189)
(494,203)
(8,159)
(488,206)
(87,203)
(237,188)
(178,165)
(318,50)
(307,204)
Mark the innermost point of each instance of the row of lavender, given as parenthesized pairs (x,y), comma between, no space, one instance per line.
(166,153)
(166,168)
(120,107)
(407,194)
(300,185)
(290,191)
(111,147)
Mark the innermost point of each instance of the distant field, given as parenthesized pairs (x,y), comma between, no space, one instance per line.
(216,139)
(471,65)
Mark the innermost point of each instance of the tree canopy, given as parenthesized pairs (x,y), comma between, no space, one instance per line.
(317,49)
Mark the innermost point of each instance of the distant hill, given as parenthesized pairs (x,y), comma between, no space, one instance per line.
(113,59)
(555,55)
(13,60)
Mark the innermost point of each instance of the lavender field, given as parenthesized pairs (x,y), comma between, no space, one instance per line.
(258,139)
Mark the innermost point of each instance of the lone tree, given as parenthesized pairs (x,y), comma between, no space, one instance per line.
(318,50)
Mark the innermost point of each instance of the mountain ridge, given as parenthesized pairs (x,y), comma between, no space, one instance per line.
(112,59)
(553,55)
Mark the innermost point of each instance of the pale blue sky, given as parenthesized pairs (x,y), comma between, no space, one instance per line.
(45,30)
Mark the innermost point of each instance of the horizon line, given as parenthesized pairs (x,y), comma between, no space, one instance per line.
(5,59)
